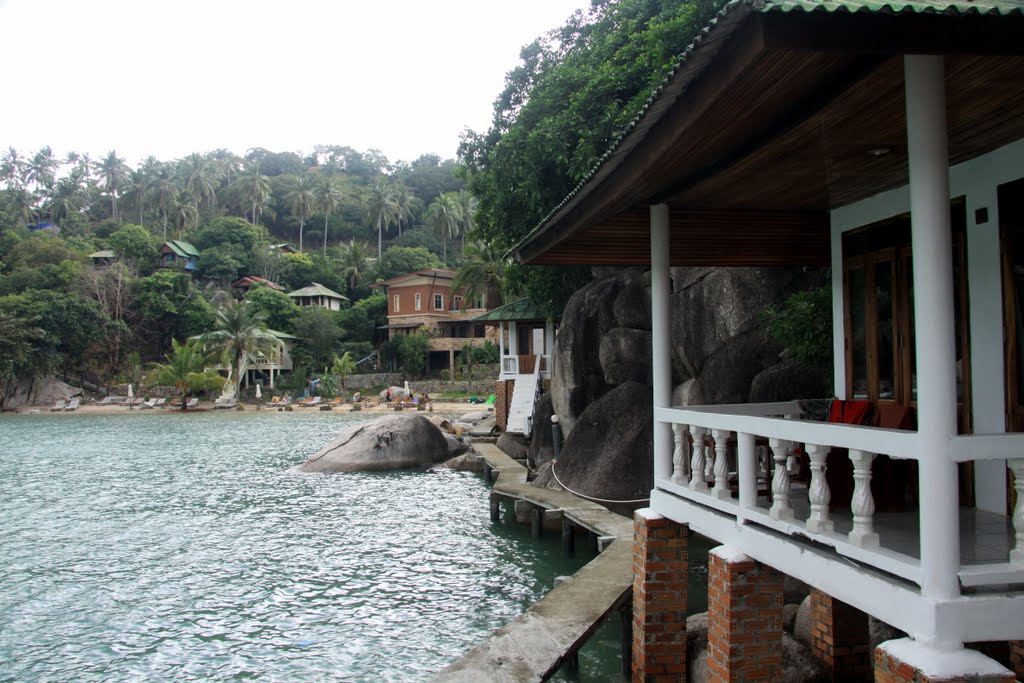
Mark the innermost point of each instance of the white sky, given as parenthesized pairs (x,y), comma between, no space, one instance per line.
(172,77)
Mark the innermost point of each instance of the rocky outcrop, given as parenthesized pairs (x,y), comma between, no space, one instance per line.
(388,443)
(513,445)
(788,381)
(542,448)
(40,392)
(608,453)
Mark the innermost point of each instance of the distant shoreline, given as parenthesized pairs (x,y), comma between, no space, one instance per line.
(446,407)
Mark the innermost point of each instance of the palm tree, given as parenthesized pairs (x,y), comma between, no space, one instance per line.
(254,188)
(443,218)
(68,197)
(163,191)
(199,176)
(113,172)
(185,371)
(403,207)
(343,367)
(185,211)
(482,273)
(328,198)
(42,169)
(354,264)
(135,193)
(301,201)
(467,214)
(12,168)
(383,210)
(240,335)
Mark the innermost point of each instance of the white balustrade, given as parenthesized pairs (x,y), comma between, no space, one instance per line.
(819,494)
(781,508)
(863,503)
(1017,554)
(721,471)
(679,458)
(697,478)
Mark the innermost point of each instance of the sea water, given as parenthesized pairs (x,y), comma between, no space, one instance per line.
(159,546)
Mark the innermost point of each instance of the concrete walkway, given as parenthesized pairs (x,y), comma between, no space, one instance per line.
(534,646)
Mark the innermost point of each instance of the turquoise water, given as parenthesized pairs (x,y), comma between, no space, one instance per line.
(169,547)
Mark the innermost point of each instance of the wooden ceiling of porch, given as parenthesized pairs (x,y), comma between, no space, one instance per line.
(764,142)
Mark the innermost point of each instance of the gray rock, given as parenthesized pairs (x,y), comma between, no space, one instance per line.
(455,445)
(789,612)
(632,306)
(802,625)
(542,448)
(514,446)
(717,330)
(798,662)
(474,416)
(609,452)
(689,393)
(794,590)
(39,391)
(879,632)
(467,462)
(790,380)
(387,443)
(625,355)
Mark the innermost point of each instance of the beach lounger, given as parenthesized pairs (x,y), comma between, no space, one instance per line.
(160,403)
(73,404)
(113,400)
(225,403)
(151,403)
(192,403)
(59,405)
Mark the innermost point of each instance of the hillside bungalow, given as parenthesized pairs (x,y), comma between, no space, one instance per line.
(249,281)
(424,300)
(179,253)
(282,248)
(318,295)
(526,338)
(267,365)
(885,140)
(103,258)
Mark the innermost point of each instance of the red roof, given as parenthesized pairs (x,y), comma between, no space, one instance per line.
(253,280)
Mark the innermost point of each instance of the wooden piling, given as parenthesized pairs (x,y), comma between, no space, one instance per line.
(568,537)
(495,509)
(537,521)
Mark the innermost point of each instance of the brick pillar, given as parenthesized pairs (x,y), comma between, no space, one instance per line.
(503,396)
(908,661)
(744,618)
(660,572)
(1017,658)
(840,638)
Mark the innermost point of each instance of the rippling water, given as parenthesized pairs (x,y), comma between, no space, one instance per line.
(168,547)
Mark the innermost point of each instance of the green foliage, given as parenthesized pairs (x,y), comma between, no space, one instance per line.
(38,250)
(169,305)
(239,335)
(804,325)
(487,354)
(19,340)
(229,247)
(184,370)
(411,352)
(220,265)
(70,325)
(421,238)
(277,308)
(401,260)
(320,332)
(343,367)
(356,325)
(137,246)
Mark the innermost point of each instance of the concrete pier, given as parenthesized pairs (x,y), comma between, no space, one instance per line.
(550,632)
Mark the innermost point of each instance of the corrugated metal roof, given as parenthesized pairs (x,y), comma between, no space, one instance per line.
(523,309)
(726,21)
(104,253)
(317,289)
(182,248)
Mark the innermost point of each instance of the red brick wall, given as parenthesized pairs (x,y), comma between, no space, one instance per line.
(660,571)
(502,400)
(840,638)
(744,620)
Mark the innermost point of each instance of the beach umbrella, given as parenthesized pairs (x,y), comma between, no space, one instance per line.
(131,395)
(407,388)
(259,394)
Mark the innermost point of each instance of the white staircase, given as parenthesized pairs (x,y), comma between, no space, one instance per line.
(524,398)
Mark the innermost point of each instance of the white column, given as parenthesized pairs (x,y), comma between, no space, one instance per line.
(1017,552)
(781,508)
(746,462)
(721,489)
(934,324)
(862,505)
(501,346)
(661,329)
(698,482)
(513,341)
(818,494)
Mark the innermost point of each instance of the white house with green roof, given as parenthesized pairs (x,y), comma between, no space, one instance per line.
(318,295)
(179,253)
(884,140)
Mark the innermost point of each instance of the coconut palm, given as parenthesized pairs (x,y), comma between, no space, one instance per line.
(12,168)
(135,191)
(482,274)
(184,211)
(163,191)
(301,200)
(185,370)
(443,218)
(328,199)
(240,336)
(113,173)
(354,264)
(253,188)
(383,210)
(343,367)
(467,214)
(199,176)
(403,207)
(68,197)
(42,169)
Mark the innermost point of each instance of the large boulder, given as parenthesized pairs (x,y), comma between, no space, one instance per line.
(542,448)
(393,442)
(514,446)
(717,329)
(608,455)
(788,381)
(625,355)
(39,392)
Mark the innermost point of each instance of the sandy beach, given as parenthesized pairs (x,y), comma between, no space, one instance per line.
(446,407)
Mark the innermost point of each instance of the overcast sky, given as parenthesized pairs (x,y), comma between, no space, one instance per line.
(171,77)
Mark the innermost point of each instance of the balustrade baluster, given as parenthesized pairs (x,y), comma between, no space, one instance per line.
(697,480)
(863,503)
(781,508)
(1017,554)
(679,458)
(721,489)
(818,494)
